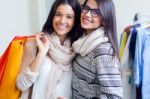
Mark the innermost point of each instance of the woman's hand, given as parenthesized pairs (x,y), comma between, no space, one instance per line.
(43,46)
(61,97)
(43,43)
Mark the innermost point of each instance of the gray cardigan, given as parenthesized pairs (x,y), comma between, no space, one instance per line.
(97,74)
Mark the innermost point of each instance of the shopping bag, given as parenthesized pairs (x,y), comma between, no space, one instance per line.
(4,56)
(3,59)
(11,61)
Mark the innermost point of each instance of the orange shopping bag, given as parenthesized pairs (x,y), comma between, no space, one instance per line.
(10,63)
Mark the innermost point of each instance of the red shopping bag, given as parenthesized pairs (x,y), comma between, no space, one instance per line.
(10,65)
(3,59)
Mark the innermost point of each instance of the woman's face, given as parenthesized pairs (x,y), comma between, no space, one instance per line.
(63,20)
(90,17)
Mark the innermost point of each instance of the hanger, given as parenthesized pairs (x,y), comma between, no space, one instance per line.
(145,26)
(148,26)
(142,18)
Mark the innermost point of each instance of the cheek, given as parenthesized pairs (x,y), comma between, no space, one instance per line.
(81,18)
(71,23)
(54,24)
(54,21)
(98,22)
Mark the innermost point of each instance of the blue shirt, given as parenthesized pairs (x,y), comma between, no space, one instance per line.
(142,62)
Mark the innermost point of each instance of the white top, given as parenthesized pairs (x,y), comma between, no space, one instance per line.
(40,80)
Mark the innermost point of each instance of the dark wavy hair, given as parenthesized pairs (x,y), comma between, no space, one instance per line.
(74,34)
(107,11)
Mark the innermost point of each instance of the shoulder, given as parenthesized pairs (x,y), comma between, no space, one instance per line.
(32,38)
(103,49)
(30,45)
(31,41)
(103,56)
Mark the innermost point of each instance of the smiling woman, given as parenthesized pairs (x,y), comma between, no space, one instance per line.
(96,67)
(63,21)
(46,65)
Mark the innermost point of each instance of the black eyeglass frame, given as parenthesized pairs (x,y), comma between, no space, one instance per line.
(94,12)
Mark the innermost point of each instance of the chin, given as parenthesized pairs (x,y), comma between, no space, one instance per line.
(86,27)
(61,32)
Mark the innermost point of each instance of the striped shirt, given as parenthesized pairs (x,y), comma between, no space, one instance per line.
(97,75)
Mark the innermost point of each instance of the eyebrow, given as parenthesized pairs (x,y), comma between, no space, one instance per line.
(66,14)
(70,14)
(90,7)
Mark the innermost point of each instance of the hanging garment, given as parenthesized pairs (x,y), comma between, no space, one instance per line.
(122,45)
(141,62)
(10,65)
(127,72)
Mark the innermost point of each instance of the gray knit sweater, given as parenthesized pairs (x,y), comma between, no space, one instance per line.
(97,75)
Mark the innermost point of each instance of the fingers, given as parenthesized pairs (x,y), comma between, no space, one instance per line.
(42,37)
(42,40)
(42,43)
(42,34)
(59,98)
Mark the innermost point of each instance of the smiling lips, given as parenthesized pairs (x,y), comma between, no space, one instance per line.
(62,27)
(87,20)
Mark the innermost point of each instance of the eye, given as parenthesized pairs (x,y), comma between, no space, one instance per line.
(95,12)
(69,17)
(86,6)
(81,6)
(57,14)
(85,9)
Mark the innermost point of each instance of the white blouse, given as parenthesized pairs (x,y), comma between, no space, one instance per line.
(40,80)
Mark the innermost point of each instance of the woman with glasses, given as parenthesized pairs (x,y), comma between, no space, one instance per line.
(96,67)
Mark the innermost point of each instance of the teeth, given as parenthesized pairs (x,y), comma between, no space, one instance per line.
(62,27)
(85,20)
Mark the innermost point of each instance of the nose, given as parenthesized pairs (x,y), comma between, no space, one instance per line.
(89,14)
(62,20)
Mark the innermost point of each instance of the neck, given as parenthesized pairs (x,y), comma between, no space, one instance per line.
(62,39)
(89,31)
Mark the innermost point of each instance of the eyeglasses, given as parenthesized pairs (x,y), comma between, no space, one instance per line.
(94,12)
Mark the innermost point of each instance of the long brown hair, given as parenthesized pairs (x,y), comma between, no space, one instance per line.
(74,34)
(107,11)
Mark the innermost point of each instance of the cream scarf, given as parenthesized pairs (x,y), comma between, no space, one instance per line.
(87,43)
(61,57)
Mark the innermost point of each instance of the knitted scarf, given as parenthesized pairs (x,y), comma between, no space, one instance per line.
(87,43)
(61,57)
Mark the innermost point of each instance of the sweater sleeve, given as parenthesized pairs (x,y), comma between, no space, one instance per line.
(108,74)
(26,78)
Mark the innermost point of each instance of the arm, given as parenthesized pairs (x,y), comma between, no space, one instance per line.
(109,76)
(31,62)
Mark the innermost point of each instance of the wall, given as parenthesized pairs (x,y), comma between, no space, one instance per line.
(25,17)
(48,4)
(126,9)
(18,17)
